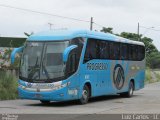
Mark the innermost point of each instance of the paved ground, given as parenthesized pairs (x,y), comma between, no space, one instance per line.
(146,100)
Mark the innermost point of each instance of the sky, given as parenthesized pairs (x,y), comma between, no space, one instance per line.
(121,15)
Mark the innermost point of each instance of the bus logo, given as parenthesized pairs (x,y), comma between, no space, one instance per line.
(118,76)
(29,85)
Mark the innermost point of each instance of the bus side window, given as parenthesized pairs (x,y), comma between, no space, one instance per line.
(130,52)
(72,63)
(111,49)
(123,51)
(91,50)
(141,53)
(135,53)
(117,51)
(79,42)
(103,50)
(114,50)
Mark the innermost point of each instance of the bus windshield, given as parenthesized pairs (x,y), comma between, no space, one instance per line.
(42,61)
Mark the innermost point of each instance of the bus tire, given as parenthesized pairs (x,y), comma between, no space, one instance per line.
(130,91)
(44,101)
(85,95)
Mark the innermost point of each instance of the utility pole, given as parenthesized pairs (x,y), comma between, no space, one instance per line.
(91,24)
(138,32)
(50,26)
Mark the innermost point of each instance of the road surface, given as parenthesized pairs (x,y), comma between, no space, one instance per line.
(146,100)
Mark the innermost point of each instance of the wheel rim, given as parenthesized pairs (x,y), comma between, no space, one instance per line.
(85,95)
(131,90)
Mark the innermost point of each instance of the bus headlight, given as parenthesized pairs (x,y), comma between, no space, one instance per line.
(21,86)
(33,88)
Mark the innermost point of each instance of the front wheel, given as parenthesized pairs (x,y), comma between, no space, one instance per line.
(85,95)
(130,91)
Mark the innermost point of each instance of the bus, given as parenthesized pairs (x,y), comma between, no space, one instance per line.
(63,65)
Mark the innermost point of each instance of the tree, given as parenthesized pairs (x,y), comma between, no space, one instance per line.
(154,60)
(5,59)
(107,30)
(131,36)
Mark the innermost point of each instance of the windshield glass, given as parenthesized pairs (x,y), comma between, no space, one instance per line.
(42,61)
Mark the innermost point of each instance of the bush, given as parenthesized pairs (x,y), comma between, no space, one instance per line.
(148,76)
(8,86)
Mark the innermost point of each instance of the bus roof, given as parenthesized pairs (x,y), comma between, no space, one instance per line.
(65,34)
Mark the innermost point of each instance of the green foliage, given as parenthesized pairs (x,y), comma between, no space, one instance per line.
(148,76)
(8,86)
(6,58)
(131,36)
(157,76)
(11,42)
(153,60)
(107,30)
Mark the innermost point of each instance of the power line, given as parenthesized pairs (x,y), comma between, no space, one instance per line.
(43,13)
(150,28)
(64,17)
(98,24)
(49,14)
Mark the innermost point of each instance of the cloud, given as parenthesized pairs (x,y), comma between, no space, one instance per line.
(122,15)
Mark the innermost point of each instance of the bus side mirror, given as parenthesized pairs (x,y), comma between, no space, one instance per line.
(14,52)
(67,51)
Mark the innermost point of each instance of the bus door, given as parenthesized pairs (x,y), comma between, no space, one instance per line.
(92,75)
(102,67)
(95,60)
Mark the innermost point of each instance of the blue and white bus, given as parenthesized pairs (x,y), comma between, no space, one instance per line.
(64,65)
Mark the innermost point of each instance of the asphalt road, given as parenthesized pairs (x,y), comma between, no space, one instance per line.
(146,100)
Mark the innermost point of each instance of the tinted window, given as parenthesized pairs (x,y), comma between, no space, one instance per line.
(136,52)
(123,51)
(101,49)
(79,42)
(141,52)
(91,50)
(114,50)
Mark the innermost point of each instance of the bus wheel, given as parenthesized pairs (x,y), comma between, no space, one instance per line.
(85,95)
(44,102)
(130,91)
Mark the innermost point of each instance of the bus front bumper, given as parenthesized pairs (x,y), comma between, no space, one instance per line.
(57,95)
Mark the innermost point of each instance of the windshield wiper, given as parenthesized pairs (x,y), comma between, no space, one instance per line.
(34,69)
(45,70)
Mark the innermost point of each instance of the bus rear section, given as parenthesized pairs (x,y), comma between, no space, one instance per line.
(114,67)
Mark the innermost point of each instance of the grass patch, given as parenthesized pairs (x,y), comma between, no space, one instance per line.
(8,86)
(148,76)
(157,74)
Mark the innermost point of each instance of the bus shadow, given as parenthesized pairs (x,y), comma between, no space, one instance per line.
(109,98)
(76,102)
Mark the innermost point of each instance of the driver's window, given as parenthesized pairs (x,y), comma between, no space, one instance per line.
(72,63)
(91,50)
